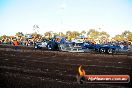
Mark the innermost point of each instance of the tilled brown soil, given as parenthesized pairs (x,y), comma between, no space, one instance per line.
(54,69)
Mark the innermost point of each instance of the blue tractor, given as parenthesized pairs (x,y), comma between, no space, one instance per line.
(102,48)
(60,43)
(54,43)
(107,48)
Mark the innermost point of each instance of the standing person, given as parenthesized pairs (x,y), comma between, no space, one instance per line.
(129,46)
(0,42)
(15,43)
(27,43)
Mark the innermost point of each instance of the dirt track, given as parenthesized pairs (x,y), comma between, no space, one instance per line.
(53,69)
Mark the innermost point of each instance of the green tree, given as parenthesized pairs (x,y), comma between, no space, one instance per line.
(103,37)
(35,35)
(125,33)
(55,34)
(48,34)
(103,33)
(68,35)
(75,34)
(4,36)
(124,36)
(83,32)
(119,38)
(19,34)
(130,36)
(61,34)
(90,31)
(93,34)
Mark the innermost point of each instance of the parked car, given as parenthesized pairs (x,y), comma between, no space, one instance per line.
(40,45)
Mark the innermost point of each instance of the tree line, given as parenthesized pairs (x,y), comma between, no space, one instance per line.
(91,34)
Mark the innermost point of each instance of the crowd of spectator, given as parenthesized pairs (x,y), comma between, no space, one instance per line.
(10,41)
(31,42)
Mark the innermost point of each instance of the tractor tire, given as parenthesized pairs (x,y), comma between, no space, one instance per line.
(102,50)
(110,51)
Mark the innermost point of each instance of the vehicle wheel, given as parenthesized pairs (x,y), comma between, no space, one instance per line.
(111,51)
(60,47)
(102,50)
(97,50)
(35,47)
(40,47)
(49,48)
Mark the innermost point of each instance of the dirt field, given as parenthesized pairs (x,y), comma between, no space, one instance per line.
(28,68)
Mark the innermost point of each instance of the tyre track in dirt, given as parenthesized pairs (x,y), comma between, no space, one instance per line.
(57,69)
